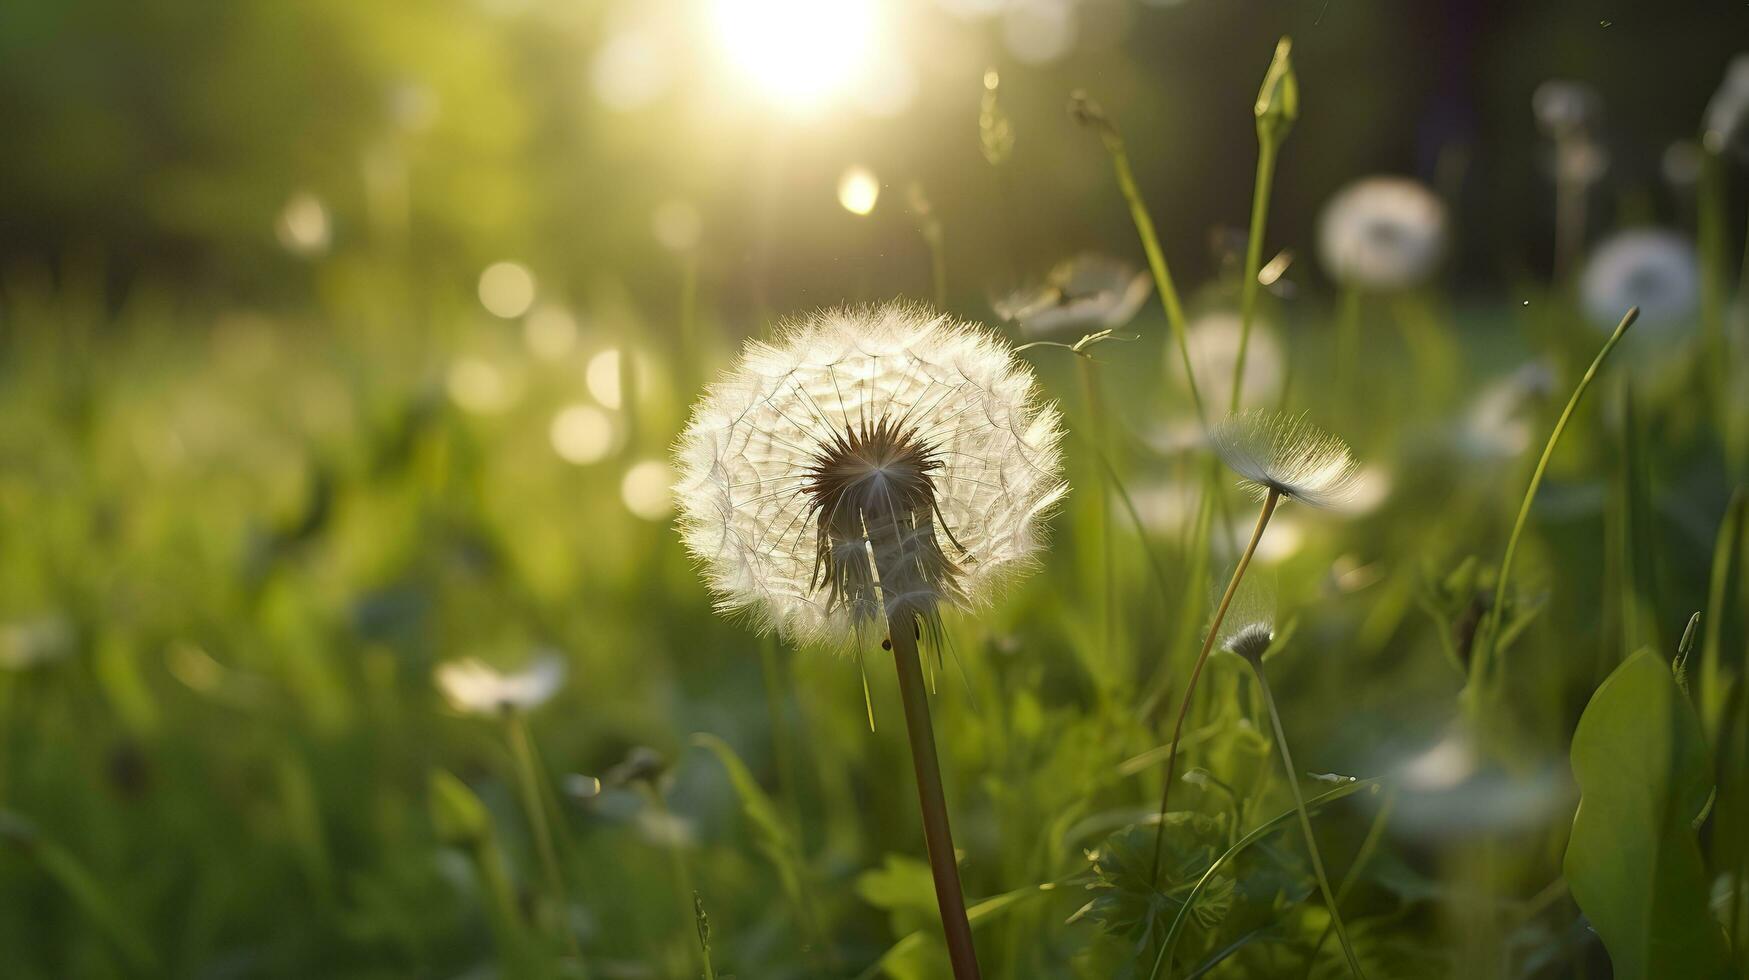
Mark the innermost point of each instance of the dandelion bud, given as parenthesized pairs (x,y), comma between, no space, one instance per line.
(1087,112)
(1278,101)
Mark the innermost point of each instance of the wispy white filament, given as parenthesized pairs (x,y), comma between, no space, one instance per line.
(1288,454)
(474,687)
(745,457)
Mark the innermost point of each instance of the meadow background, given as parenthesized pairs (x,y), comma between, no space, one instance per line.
(339,341)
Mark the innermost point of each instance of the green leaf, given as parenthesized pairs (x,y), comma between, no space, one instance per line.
(776,839)
(1633,863)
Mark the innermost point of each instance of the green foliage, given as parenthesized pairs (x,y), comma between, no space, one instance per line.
(1633,862)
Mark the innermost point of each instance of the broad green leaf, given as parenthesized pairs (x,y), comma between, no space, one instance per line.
(1633,862)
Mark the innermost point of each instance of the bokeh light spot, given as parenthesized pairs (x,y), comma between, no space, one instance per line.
(550,332)
(303,226)
(858,190)
(581,434)
(601,375)
(645,489)
(507,289)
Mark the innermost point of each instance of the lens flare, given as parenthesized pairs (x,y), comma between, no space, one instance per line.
(858,190)
(799,53)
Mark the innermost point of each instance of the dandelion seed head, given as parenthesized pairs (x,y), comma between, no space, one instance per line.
(1565,108)
(861,443)
(1249,626)
(1213,339)
(1653,269)
(1383,233)
(1287,454)
(475,687)
(1088,292)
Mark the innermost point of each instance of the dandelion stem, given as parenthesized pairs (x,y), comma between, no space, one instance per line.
(1293,784)
(937,835)
(1271,498)
(1370,844)
(1126,182)
(522,746)
(1480,662)
(1347,337)
(1267,149)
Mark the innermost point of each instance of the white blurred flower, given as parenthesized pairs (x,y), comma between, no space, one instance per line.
(1083,294)
(1287,455)
(474,687)
(885,441)
(1680,164)
(1213,339)
(1565,108)
(1499,422)
(1726,124)
(1653,269)
(29,643)
(303,226)
(1382,233)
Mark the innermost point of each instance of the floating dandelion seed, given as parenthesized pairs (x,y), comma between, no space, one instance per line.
(865,469)
(890,434)
(1653,269)
(1088,292)
(474,687)
(1288,456)
(1383,233)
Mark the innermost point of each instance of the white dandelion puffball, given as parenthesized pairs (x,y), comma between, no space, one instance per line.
(474,687)
(1653,269)
(867,465)
(1565,108)
(1383,233)
(1213,339)
(1726,124)
(1287,455)
(1085,293)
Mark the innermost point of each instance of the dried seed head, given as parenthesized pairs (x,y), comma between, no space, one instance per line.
(1286,454)
(1383,233)
(867,465)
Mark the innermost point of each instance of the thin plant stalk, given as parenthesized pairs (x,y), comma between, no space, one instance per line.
(1126,182)
(1268,147)
(1347,337)
(1095,402)
(937,835)
(1480,662)
(534,801)
(1270,500)
(1375,835)
(1293,784)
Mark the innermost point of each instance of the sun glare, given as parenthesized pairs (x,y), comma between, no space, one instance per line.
(800,53)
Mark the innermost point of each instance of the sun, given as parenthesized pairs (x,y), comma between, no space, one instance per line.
(801,54)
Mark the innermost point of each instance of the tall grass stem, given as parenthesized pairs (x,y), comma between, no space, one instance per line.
(1293,784)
